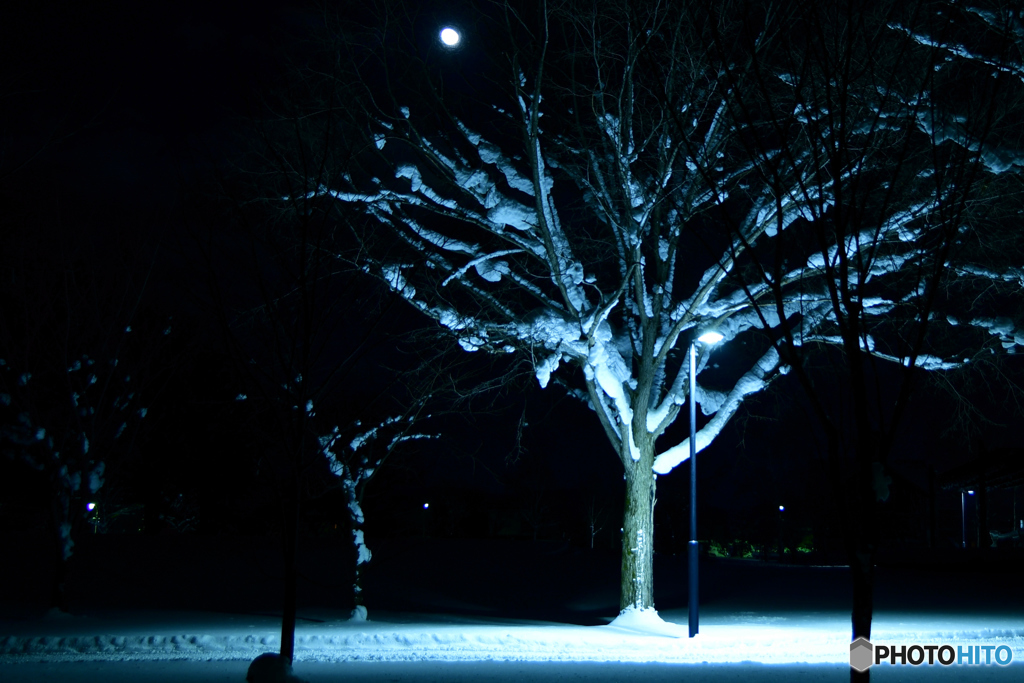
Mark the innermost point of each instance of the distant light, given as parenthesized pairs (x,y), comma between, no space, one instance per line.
(970,493)
(426,505)
(782,508)
(450,36)
(90,507)
(710,338)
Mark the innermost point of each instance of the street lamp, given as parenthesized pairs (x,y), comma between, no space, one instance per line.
(963,516)
(708,338)
(93,518)
(782,522)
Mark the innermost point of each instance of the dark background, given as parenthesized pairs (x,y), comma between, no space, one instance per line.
(111,120)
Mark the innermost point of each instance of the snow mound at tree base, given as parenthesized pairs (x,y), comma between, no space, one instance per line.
(648,622)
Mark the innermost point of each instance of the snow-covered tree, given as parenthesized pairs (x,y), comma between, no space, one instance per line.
(614,197)
(60,441)
(881,122)
(354,458)
(575,219)
(76,358)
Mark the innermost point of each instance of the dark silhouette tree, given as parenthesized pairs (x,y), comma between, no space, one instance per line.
(881,121)
(80,366)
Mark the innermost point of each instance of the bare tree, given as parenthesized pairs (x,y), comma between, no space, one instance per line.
(78,370)
(595,518)
(871,117)
(583,240)
(356,453)
(614,189)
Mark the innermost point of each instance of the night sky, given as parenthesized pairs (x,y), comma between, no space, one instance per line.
(117,125)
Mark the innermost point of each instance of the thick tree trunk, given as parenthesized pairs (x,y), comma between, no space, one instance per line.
(855,507)
(862,569)
(637,588)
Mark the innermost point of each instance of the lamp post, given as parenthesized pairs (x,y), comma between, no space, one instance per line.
(707,338)
(782,522)
(91,507)
(963,516)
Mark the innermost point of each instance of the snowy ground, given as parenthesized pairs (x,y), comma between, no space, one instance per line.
(766,624)
(147,646)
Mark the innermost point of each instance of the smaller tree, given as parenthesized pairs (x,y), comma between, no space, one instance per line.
(595,519)
(76,356)
(354,460)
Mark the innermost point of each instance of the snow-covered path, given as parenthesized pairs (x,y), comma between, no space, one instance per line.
(196,646)
(728,638)
(138,637)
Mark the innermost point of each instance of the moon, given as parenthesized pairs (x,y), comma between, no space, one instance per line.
(450,37)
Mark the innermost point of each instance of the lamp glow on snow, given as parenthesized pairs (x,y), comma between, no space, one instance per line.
(450,38)
(708,338)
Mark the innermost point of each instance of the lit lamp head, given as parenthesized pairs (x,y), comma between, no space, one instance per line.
(450,38)
(710,338)
(90,506)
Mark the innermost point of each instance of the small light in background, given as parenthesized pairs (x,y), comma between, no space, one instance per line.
(90,506)
(426,505)
(782,508)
